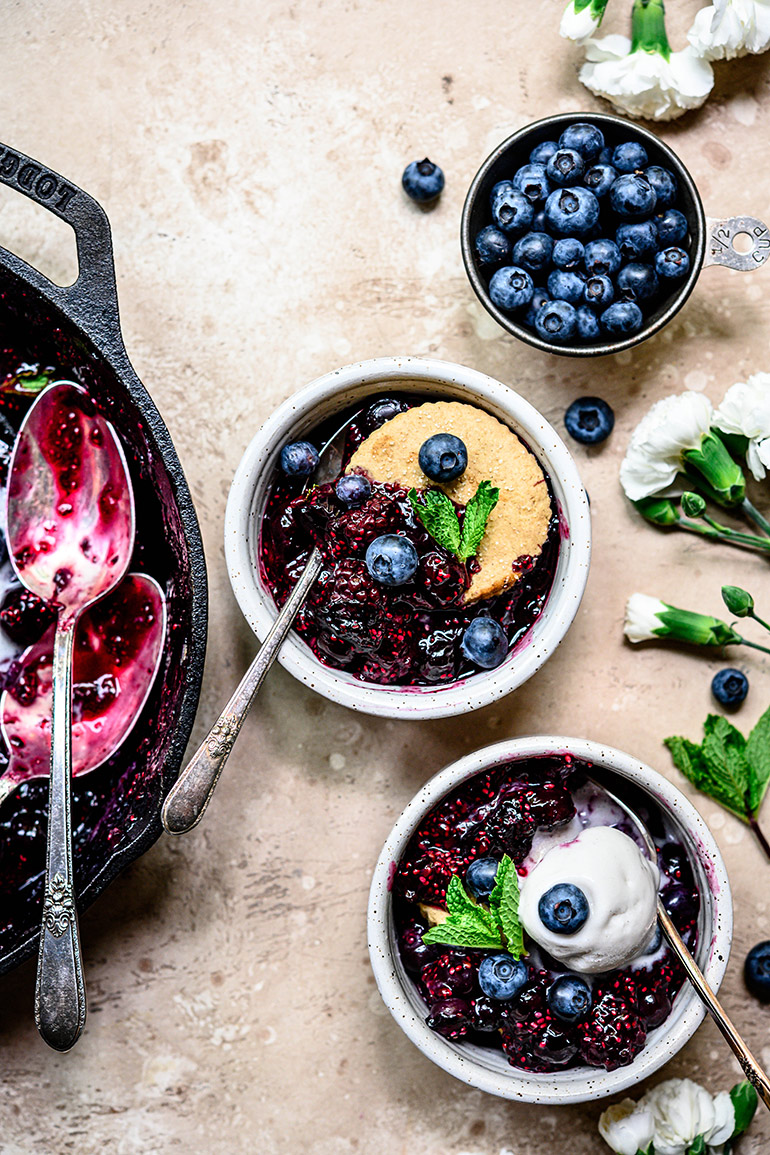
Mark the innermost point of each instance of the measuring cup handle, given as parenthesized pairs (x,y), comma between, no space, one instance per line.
(720,249)
(92,301)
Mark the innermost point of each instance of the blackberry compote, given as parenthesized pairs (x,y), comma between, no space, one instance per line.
(552,1017)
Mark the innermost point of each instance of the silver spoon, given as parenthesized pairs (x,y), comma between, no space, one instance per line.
(188,798)
(70,518)
(751,1068)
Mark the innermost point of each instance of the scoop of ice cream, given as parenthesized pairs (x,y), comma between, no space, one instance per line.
(518,525)
(620,886)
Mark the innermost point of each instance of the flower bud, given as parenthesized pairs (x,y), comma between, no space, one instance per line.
(658,510)
(693,505)
(738,601)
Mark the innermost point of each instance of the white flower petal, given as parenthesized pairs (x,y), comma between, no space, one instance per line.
(646,84)
(626,1127)
(724,1120)
(654,455)
(642,622)
(578,26)
(681,1111)
(731,28)
(745,411)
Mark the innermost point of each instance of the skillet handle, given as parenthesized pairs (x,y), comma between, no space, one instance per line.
(720,249)
(92,301)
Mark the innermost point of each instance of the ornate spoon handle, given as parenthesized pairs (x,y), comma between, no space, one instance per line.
(751,1068)
(189,796)
(60,993)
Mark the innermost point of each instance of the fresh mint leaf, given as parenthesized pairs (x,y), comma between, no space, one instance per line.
(744,1100)
(496,897)
(758,758)
(477,513)
(723,777)
(504,904)
(439,517)
(457,900)
(472,936)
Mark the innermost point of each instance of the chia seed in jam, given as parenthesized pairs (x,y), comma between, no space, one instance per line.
(501,811)
(406,635)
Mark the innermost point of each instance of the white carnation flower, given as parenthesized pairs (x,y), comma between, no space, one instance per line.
(627,1127)
(645,83)
(654,455)
(745,412)
(642,623)
(730,28)
(581,19)
(682,1110)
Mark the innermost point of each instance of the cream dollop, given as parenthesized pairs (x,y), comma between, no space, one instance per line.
(621,887)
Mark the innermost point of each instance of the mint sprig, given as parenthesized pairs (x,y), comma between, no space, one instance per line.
(476,927)
(439,516)
(731,769)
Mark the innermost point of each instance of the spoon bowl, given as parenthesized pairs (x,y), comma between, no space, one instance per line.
(112,682)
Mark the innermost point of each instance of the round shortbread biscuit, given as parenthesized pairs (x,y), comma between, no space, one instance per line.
(518,525)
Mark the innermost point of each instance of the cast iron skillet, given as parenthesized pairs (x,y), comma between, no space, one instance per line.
(117,808)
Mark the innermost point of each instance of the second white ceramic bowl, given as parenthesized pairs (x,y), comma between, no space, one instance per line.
(348,387)
(489,1069)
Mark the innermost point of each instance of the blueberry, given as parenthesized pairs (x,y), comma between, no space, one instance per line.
(511,211)
(681,902)
(563,908)
(422,180)
(485,643)
(568,253)
(589,420)
(533,251)
(539,223)
(531,180)
(632,195)
(443,457)
(511,287)
(637,240)
(587,323)
(299,459)
(664,183)
(569,998)
(600,178)
(572,211)
(672,262)
(629,157)
(501,976)
(584,138)
(539,298)
(671,226)
(622,318)
(565,167)
(602,257)
(730,687)
(385,409)
(565,286)
(756,971)
(542,153)
(599,291)
(637,282)
(480,876)
(391,559)
(556,321)
(353,490)
(492,247)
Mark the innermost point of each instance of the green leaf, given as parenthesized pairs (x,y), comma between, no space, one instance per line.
(457,900)
(477,513)
(697,1147)
(719,767)
(496,897)
(649,1150)
(439,517)
(464,932)
(758,758)
(744,1100)
(509,914)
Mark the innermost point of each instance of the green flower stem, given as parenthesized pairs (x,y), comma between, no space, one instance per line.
(753,513)
(754,645)
(760,837)
(719,532)
(648,27)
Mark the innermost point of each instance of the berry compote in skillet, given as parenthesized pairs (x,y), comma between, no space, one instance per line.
(525,916)
(439,539)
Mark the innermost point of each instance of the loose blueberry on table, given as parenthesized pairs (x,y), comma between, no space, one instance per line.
(439,542)
(422,181)
(584,242)
(501,842)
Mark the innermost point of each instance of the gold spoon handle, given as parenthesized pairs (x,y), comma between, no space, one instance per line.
(751,1068)
(60,994)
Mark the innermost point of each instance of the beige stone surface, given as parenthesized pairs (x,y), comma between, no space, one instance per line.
(249,158)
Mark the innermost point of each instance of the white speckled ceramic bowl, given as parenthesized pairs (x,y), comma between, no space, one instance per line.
(341,390)
(487,1069)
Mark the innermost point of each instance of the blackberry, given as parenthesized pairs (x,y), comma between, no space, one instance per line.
(450,1018)
(452,973)
(613,1035)
(427,878)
